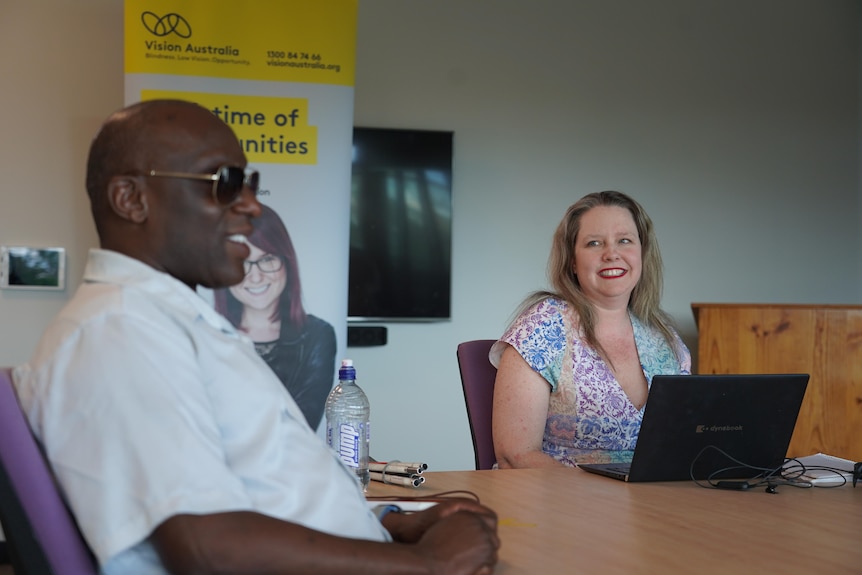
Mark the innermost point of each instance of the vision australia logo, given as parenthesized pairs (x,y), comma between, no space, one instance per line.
(166,25)
(173,26)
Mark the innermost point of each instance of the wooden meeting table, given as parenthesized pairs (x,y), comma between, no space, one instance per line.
(571,521)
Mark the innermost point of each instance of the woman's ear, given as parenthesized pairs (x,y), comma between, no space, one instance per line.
(128,199)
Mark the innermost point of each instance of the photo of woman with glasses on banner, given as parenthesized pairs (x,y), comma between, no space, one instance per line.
(267,306)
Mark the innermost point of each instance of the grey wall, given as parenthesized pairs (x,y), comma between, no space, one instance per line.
(61,68)
(736,123)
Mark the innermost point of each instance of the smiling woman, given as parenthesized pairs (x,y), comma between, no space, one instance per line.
(267,306)
(575,365)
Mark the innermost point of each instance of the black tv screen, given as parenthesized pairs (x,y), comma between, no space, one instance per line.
(400,225)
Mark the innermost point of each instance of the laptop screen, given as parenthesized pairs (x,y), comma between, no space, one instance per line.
(718,425)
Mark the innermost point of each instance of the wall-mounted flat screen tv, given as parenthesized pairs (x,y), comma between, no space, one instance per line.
(400,226)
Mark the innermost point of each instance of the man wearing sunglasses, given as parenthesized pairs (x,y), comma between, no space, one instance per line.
(177,448)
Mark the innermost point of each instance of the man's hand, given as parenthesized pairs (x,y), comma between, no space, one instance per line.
(461,543)
(458,536)
(409,527)
(451,538)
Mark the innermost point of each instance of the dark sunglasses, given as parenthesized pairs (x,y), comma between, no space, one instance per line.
(228,181)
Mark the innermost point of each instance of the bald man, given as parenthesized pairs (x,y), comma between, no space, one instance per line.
(177,448)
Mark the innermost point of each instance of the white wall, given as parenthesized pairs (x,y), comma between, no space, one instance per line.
(859,150)
(61,68)
(736,123)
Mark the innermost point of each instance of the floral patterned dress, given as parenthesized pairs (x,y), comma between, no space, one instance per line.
(590,418)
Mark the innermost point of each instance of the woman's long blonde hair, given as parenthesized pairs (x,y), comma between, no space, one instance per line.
(646,297)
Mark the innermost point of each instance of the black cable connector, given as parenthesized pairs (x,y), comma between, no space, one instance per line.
(735,485)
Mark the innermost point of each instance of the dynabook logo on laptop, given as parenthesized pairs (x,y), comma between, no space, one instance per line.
(709,428)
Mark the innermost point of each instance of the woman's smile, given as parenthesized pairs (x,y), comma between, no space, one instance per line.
(259,289)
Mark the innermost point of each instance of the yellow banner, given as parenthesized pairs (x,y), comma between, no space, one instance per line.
(250,40)
(271,130)
(280,74)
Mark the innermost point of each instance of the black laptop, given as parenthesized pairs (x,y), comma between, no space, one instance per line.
(712,427)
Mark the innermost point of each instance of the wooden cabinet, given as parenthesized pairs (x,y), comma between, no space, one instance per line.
(824,341)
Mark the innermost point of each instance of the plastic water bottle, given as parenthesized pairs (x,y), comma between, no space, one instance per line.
(348,427)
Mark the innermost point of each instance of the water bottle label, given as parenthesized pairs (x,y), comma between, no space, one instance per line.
(348,444)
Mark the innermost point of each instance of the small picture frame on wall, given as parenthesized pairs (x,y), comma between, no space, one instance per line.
(32,268)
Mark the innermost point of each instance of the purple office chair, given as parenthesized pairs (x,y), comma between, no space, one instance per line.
(42,538)
(477,380)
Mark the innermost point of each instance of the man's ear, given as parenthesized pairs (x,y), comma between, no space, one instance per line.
(128,199)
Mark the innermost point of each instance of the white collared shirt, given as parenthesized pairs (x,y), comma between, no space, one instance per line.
(149,403)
